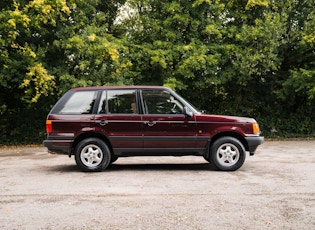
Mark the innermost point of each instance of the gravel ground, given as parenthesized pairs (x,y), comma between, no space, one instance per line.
(275,189)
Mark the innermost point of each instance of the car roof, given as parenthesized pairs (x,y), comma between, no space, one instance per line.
(119,87)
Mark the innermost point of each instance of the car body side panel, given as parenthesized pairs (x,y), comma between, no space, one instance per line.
(71,125)
(123,131)
(65,128)
(169,131)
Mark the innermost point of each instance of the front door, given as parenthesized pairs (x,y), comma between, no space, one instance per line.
(166,127)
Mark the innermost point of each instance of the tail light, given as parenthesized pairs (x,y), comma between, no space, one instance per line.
(48,126)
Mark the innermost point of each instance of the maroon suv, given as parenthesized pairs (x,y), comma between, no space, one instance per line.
(100,124)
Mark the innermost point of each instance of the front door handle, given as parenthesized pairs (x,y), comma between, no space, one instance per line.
(102,122)
(150,123)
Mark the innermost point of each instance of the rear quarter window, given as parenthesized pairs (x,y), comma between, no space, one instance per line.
(80,102)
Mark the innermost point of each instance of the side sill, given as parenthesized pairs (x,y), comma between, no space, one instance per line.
(158,152)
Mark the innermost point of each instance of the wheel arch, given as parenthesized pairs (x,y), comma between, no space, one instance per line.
(83,136)
(236,135)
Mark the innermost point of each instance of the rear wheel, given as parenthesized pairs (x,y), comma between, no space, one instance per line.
(227,154)
(92,155)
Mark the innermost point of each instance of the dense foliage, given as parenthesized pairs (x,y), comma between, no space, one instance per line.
(248,57)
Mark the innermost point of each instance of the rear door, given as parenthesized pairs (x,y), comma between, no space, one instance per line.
(118,118)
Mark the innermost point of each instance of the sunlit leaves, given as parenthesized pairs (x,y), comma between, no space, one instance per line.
(48,12)
(93,58)
(37,82)
(253,3)
(21,49)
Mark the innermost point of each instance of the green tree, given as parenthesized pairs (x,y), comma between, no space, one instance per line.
(23,74)
(49,46)
(245,57)
(89,53)
(206,45)
(249,57)
(24,78)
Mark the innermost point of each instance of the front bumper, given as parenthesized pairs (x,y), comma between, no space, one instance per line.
(253,143)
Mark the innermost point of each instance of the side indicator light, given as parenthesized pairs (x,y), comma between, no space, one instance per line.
(256,129)
(48,126)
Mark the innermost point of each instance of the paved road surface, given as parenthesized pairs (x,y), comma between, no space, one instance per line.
(275,189)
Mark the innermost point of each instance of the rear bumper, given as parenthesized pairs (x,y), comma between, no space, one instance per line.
(253,143)
(58,147)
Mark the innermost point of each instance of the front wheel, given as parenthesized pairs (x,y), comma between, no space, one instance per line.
(227,154)
(92,155)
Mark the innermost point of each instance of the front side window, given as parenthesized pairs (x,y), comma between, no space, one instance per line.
(161,102)
(80,102)
(118,102)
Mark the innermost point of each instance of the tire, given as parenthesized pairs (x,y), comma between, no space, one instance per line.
(92,155)
(227,154)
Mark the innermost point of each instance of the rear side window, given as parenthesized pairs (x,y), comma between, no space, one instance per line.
(80,102)
(118,102)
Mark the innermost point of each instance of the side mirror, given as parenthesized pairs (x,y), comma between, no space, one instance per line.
(188,112)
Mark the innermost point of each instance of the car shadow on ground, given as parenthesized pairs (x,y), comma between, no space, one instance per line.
(161,167)
(64,168)
(141,167)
